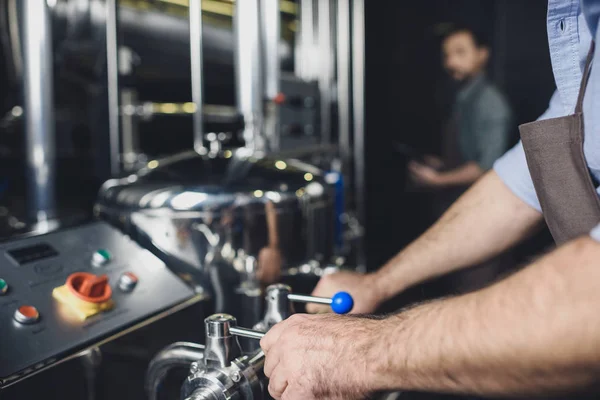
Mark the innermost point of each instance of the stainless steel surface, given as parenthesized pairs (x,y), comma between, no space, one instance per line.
(209,217)
(62,331)
(217,371)
(326,35)
(91,359)
(300,298)
(130,132)
(242,380)
(178,354)
(305,64)
(278,306)
(248,72)
(271,32)
(247,333)
(15,38)
(358,105)
(196,60)
(38,82)
(221,346)
(112,72)
(343,84)
(12,380)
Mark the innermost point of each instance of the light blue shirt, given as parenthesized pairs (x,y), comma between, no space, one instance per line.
(571,25)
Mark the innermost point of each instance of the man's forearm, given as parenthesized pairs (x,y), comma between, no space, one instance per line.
(463,175)
(537,332)
(485,221)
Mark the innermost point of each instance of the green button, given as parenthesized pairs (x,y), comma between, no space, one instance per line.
(3,286)
(101,257)
(104,253)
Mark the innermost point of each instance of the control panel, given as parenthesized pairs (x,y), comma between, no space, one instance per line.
(299,113)
(63,292)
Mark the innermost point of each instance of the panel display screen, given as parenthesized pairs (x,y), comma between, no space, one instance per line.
(25,255)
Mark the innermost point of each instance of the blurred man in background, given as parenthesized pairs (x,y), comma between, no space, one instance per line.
(480,125)
(478,133)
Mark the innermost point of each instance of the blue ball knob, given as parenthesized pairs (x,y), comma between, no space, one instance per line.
(342,303)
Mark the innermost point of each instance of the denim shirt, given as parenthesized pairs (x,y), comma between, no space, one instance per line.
(571,25)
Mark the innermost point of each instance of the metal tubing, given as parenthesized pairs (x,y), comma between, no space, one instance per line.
(305,65)
(271,32)
(91,360)
(358,96)
(343,83)
(196,60)
(179,354)
(300,298)
(39,109)
(248,71)
(112,70)
(248,333)
(325,66)
(130,133)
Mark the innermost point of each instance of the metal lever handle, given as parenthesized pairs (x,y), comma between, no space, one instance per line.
(341,302)
(248,333)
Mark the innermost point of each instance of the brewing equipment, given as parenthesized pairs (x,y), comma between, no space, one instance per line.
(230,196)
(227,223)
(231,220)
(221,369)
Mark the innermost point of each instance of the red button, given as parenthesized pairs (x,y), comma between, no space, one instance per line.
(279,99)
(132,276)
(128,281)
(27,315)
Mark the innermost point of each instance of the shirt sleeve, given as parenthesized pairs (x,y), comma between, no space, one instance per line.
(493,126)
(512,167)
(595,233)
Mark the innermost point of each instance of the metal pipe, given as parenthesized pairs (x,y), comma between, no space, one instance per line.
(248,71)
(271,32)
(358,102)
(39,110)
(248,333)
(300,298)
(325,65)
(306,63)
(343,83)
(130,132)
(179,354)
(195,11)
(112,71)
(91,360)
(15,38)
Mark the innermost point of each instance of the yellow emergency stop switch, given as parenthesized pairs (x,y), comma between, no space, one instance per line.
(85,294)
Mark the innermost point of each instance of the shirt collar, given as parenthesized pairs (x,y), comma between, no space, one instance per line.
(470,87)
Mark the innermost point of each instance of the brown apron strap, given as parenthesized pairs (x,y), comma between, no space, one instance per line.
(562,180)
(585,78)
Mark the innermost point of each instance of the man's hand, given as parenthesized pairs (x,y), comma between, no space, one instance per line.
(362,287)
(320,357)
(424,174)
(433,161)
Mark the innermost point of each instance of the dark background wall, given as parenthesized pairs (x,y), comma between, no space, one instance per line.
(404,84)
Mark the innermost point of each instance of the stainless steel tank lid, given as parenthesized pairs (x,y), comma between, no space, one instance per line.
(190,182)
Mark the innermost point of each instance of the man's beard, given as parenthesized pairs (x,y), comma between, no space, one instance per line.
(458,84)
